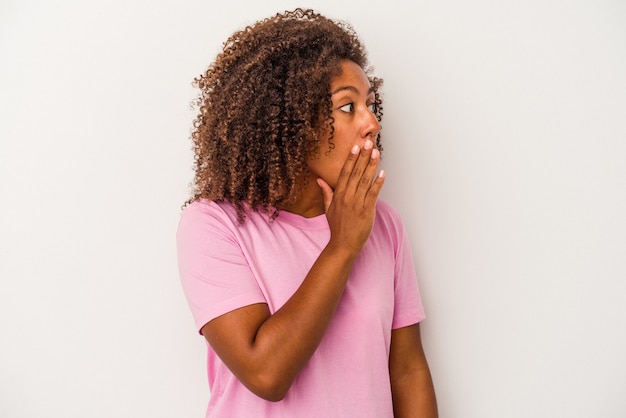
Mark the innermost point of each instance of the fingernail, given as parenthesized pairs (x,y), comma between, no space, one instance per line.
(354,149)
(368,144)
(381,174)
(375,154)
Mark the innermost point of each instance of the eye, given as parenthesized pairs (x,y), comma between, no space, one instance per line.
(348,108)
(373,107)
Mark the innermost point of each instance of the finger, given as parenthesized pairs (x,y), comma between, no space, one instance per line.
(374,190)
(327,192)
(369,173)
(361,164)
(346,170)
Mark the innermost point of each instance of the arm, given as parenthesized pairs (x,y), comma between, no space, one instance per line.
(266,352)
(411,384)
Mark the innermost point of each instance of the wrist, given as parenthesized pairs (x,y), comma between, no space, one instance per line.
(339,250)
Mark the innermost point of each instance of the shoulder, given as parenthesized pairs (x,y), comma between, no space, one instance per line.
(388,225)
(203,215)
(384,208)
(204,208)
(387,215)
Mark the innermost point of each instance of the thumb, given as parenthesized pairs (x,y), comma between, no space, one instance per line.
(327,192)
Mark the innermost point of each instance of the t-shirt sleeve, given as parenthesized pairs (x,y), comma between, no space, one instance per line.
(408,308)
(214,274)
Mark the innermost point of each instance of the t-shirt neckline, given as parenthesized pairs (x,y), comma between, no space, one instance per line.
(316,222)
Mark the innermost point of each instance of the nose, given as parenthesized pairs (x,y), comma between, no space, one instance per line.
(371,126)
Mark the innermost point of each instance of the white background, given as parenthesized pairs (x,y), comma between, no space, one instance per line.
(505,147)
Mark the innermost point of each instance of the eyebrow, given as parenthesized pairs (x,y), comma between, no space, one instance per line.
(350,88)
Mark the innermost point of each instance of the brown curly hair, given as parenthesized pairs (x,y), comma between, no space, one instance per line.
(262,105)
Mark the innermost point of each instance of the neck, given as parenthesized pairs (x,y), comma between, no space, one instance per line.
(310,202)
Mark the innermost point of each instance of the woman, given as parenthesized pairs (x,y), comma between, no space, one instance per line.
(299,278)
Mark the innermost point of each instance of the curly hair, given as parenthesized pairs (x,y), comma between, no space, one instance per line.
(262,105)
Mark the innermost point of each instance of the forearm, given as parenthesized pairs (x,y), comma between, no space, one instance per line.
(414,395)
(282,343)
(287,339)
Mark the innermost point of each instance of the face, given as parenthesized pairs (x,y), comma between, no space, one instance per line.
(354,121)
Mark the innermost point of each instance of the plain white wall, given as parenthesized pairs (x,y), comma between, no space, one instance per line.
(505,133)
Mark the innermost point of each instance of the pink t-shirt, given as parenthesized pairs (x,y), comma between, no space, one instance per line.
(225,266)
